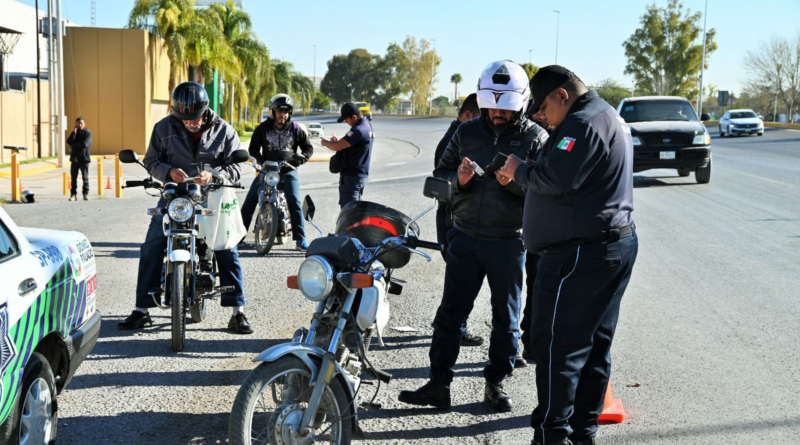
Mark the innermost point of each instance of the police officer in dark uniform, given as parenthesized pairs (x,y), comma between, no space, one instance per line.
(578,217)
(353,154)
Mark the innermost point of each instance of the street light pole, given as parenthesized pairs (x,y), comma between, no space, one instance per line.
(314,81)
(430,87)
(777,90)
(558,26)
(703,64)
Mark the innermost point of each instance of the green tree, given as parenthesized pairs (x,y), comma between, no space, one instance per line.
(775,66)
(663,54)
(323,101)
(358,70)
(456,79)
(530,69)
(419,71)
(612,91)
(170,20)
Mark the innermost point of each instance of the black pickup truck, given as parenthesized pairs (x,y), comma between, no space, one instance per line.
(667,134)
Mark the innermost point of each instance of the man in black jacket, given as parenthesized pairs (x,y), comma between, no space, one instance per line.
(578,216)
(276,139)
(80,140)
(485,240)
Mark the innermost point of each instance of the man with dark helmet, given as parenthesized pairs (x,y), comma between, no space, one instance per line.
(271,139)
(191,134)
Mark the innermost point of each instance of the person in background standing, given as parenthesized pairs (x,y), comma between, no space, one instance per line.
(79,141)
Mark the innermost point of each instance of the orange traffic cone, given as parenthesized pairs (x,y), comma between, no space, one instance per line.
(108,183)
(613,411)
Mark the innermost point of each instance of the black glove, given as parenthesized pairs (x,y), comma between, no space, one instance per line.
(298,160)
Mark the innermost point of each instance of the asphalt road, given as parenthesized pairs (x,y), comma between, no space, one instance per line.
(706,351)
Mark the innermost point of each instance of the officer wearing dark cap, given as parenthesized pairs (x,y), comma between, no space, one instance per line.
(578,217)
(353,153)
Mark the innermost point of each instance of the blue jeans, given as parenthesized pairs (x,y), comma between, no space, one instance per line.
(351,188)
(290,183)
(469,261)
(576,303)
(151,259)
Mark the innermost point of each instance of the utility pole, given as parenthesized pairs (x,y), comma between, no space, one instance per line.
(430,87)
(558,26)
(51,85)
(61,111)
(703,64)
(314,98)
(38,87)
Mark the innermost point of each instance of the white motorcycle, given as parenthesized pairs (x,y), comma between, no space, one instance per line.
(305,391)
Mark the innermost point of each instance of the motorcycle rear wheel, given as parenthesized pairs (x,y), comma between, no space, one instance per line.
(272,398)
(266,228)
(176,285)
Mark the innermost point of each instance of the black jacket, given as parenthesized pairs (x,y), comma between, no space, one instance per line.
(483,208)
(80,141)
(443,143)
(582,183)
(266,138)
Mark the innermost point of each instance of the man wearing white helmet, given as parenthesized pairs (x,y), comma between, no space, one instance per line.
(485,241)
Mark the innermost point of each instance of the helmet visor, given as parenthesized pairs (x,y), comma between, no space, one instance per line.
(503,100)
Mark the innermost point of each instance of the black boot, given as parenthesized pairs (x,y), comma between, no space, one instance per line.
(565,442)
(528,356)
(239,324)
(590,441)
(496,396)
(520,362)
(136,320)
(469,339)
(432,394)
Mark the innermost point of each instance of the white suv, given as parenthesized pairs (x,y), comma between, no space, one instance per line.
(316,130)
(740,122)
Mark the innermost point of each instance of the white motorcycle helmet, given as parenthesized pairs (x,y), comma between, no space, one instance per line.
(504,85)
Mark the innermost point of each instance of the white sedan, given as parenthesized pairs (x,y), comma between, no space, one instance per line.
(736,122)
(316,130)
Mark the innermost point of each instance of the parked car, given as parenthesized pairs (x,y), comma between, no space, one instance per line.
(667,134)
(736,122)
(49,323)
(316,130)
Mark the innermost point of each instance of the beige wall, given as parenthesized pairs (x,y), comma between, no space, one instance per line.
(18,119)
(115,79)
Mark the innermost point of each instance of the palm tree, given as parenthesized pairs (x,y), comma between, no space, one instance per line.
(170,20)
(456,79)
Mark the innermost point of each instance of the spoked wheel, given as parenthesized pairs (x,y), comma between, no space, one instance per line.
(176,285)
(266,228)
(271,403)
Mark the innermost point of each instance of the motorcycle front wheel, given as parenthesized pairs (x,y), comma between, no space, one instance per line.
(176,286)
(273,399)
(266,228)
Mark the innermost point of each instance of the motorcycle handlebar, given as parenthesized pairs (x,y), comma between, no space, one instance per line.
(415,243)
(134,184)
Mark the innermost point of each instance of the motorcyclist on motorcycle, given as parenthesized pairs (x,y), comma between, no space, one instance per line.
(279,133)
(192,133)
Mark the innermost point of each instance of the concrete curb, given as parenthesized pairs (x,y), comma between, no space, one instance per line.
(32,171)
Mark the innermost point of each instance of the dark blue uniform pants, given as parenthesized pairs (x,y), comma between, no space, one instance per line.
(469,260)
(576,302)
(290,183)
(150,264)
(351,188)
(531,266)
(441,238)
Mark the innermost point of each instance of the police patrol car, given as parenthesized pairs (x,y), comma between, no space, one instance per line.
(48,325)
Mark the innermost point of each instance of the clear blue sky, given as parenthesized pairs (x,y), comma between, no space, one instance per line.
(470,34)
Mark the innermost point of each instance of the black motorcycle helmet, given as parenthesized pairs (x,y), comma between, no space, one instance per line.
(282,102)
(189,101)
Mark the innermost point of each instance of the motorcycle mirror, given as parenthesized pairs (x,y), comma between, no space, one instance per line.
(308,208)
(128,157)
(437,188)
(238,156)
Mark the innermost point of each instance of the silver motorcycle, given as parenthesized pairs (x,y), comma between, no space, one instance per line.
(305,391)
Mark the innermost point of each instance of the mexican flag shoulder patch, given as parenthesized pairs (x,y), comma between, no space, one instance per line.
(566,144)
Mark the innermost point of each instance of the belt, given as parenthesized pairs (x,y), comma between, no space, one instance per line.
(608,236)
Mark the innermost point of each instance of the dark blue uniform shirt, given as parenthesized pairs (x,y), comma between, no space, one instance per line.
(359,153)
(582,183)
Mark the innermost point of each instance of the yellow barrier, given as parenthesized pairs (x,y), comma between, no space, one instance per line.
(100,177)
(16,193)
(118,176)
(66,183)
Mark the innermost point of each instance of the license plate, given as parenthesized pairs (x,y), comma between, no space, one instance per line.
(667,155)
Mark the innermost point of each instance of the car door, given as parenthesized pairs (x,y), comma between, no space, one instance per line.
(13,265)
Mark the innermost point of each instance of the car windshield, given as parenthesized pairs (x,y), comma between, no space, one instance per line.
(314,126)
(742,114)
(658,110)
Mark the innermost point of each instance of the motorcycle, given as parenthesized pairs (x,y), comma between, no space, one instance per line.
(305,391)
(189,272)
(272,214)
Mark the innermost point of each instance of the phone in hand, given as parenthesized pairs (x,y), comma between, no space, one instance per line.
(497,163)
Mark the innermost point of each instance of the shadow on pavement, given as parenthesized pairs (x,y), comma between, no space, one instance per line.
(506,423)
(654,181)
(459,370)
(145,428)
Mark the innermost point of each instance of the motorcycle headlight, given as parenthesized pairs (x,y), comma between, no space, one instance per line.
(272,179)
(315,278)
(180,209)
(702,139)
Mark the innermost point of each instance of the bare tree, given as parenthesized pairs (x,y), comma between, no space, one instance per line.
(776,65)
